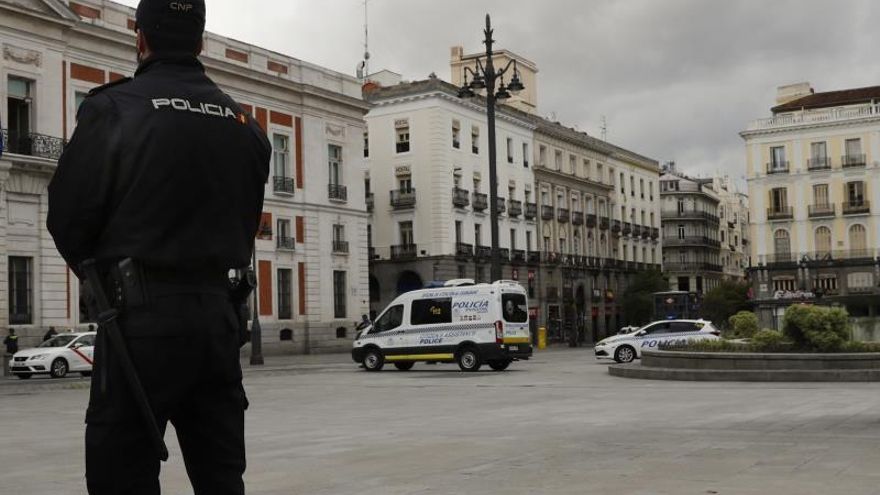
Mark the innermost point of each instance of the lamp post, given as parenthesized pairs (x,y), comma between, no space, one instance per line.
(485,77)
(256,330)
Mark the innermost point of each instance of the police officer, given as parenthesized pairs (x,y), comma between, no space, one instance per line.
(169,171)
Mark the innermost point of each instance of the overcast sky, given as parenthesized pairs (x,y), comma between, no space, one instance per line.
(676,79)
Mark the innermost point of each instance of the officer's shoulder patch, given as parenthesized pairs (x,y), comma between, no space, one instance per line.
(109,85)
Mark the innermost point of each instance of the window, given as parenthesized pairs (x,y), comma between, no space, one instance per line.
(853,148)
(779,199)
(406,233)
(855,193)
(456,134)
(622,184)
(285,294)
(431,311)
(542,156)
(515,308)
(402,131)
(338,233)
(681,231)
(512,239)
(557,162)
(475,140)
(21,298)
(777,158)
(632,185)
(478,234)
(782,244)
(586,171)
(650,191)
(281,155)
(528,240)
(783,284)
(20,93)
(600,174)
(525,150)
(823,241)
(366,145)
(458,231)
(857,238)
(283,231)
(335,162)
(572,164)
(509,150)
(820,194)
(818,152)
(339,299)
(404,184)
(642,188)
(390,319)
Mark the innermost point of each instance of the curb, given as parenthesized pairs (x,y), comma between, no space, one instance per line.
(639,371)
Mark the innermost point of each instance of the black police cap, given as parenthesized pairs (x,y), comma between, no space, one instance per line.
(170,23)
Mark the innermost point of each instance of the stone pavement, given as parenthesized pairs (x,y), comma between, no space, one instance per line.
(558,425)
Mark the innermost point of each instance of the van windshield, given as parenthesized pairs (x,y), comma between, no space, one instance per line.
(515,308)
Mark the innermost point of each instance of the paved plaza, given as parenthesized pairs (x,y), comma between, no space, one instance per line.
(557,424)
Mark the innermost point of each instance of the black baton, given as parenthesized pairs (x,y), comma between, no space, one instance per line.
(107,320)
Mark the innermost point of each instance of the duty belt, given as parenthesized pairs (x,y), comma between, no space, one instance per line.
(131,284)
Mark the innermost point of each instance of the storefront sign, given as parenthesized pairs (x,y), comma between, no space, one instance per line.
(793,295)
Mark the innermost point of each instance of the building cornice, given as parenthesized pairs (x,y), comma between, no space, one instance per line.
(500,114)
(807,127)
(560,178)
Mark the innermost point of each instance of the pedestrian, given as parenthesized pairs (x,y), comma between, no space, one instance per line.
(364,323)
(11,342)
(51,333)
(163,180)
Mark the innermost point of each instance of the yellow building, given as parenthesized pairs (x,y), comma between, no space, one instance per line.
(813,171)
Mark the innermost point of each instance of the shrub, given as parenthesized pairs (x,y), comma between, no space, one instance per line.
(814,328)
(860,347)
(744,324)
(768,341)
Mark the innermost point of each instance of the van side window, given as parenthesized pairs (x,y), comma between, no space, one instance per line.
(390,320)
(514,306)
(431,311)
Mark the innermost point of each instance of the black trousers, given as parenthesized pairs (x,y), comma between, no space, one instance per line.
(184,345)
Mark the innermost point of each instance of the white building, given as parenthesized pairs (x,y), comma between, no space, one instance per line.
(311,252)
(429,184)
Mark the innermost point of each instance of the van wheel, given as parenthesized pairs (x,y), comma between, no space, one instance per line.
(500,365)
(373,360)
(624,354)
(469,359)
(404,366)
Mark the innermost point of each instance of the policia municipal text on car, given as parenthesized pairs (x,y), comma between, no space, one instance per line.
(124,208)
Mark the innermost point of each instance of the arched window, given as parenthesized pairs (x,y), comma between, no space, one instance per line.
(858,238)
(782,245)
(823,242)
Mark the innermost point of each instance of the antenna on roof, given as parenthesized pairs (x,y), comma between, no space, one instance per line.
(366,62)
(604,129)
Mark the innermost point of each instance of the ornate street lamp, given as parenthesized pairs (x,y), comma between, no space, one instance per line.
(485,77)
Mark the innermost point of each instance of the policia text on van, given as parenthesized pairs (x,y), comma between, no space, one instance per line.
(467,324)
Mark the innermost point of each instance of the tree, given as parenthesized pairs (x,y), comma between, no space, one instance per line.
(816,328)
(724,301)
(637,302)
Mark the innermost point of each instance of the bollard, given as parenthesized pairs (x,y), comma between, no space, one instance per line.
(542,337)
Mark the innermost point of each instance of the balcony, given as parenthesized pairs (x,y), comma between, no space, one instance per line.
(337,192)
(464,251)
(402,147)
(857,208)
(691,241)
(562,215)
(616,226)
(402,199)
(282,184)
(577,218)
(819,163)
(500,205)
(692,267)
(852,161)
(461,198)
(636,231)
(551,258)
(286,243)
(780,213)
(481,202)
(817,211)
(627,228)
(591,221)
(340,247)
(402,252)
(781,259)
(655,233)
(820,116)
(517,256)
(533,257)
(531,211)
(603,223)
(689,215)
(371,201)
(504,255)
(852,256)
(514,208)
(32,144)
(646,232)
(780,167)
(483,252)
(546,212)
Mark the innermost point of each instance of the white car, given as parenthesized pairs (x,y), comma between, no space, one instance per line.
(56,357)
(624,348)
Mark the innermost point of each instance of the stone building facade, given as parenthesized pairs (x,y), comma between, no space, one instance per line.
(311,250)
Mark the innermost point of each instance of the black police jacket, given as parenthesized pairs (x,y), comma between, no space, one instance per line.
(164,168)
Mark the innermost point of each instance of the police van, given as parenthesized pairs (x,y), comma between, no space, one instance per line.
(462,322)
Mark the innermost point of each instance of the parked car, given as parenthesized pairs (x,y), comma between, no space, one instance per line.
(58,356)
(625,348)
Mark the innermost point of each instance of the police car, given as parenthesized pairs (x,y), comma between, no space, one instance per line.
(56,357)
(626,347)
(462,323)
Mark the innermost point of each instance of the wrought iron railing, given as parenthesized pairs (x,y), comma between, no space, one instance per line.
(32,144)
(337,192)
(403,198)
(283,184)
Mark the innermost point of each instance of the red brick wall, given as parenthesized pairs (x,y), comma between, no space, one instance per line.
(264,281)
(88,74)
